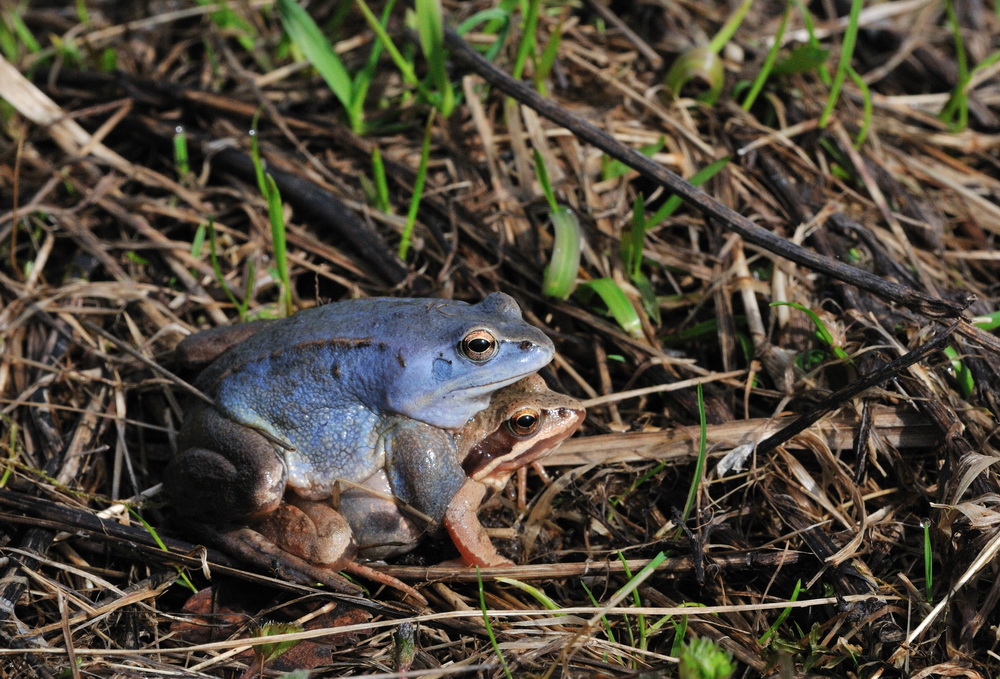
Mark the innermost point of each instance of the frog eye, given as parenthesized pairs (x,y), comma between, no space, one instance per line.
(479,346)
(524,422)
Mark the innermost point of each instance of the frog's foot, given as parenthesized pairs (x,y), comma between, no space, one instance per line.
(253,548)
(318,534)
(466,532)
(310,530)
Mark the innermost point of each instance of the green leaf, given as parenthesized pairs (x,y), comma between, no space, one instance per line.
(618,304)
(430,30)
(698,64)
(539,596)
(559,279)
(307,36)
(269,651)
(802,59)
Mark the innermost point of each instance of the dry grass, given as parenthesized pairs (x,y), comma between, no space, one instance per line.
(98,283)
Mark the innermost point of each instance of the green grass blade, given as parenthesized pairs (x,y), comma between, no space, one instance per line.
(307,36)
(866,98)
(822,333)
(729,28)
(538,595)
(928,561)
(404,66)
(418,190)
(846,53)
(430,30)
(548,59)
(697,63)
(363,79)
(276,215)
(807,20)
(785,612)
(699,467)
(181,574)
(527,45)
(489,626)
(772,55)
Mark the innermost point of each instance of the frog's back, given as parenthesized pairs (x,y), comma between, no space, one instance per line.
(341,327)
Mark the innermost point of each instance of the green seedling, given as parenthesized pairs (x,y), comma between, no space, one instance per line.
(267,652)
(966,382)
(989,321)
(866,100)
(846,53)
(489,626)
(699,467)
(377,188)
(498,22)
(430,30)
(698,64)
(704,63)
(547,59)
(559,278)
(181,574)
(702,658)
(526,47)
(928,561)
(769,60)
(608,630)
(634,238)
(822,333)
(617,303)
(181,157)
(956,110)
(16,34)
(813,43)
(309,39)
(276,216)
(233,25)
(538,595)
(772,630)
(12,447)
(418,190)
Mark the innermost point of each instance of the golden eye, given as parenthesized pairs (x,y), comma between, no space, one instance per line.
(479,346)
(524,422)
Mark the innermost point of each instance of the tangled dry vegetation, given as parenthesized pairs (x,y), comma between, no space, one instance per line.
(804,555)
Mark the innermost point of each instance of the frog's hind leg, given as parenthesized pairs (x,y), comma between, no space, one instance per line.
(223,471)
(254,549)
(316,533)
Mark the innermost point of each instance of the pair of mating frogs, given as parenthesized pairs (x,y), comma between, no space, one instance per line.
(352,429)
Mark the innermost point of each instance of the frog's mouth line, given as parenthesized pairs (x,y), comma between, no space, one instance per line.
(493,386)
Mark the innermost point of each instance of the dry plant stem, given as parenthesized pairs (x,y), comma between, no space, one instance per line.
(886,372)
(752,233)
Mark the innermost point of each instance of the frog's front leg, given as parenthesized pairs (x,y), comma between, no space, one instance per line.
(224,472)
(424,470)
(463,526)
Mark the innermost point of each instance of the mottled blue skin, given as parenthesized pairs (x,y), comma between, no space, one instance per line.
(352,389)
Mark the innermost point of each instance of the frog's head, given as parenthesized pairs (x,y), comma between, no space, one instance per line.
(524,422)
(462,354)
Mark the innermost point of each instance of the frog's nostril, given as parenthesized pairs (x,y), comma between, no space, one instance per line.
(526,345)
